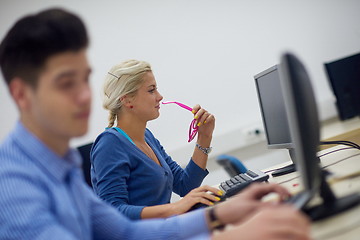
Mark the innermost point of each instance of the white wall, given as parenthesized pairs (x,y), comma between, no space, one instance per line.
(203,51)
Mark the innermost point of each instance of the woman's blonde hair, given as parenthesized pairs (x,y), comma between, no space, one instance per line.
(122,79)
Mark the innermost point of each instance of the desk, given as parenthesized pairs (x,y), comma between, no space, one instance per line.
(344,226)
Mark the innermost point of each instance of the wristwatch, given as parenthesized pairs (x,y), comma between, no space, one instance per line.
(214,221)
(204,150)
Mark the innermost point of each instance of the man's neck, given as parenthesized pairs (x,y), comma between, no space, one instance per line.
(57,144)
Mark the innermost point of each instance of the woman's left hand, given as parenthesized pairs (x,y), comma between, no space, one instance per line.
(204,120)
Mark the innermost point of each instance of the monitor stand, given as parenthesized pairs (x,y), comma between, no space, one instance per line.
(331,205)
(287,169)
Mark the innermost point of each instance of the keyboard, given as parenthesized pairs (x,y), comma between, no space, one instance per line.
(236,184)
(241,181)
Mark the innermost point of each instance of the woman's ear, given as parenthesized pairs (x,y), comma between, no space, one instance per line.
(126,101)
(122,100)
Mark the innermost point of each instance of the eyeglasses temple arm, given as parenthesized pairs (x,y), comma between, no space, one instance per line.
(180,104)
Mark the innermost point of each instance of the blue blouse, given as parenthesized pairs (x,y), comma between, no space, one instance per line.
(128,179)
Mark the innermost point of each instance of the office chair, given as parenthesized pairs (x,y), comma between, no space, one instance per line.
(86,165)
(232,165)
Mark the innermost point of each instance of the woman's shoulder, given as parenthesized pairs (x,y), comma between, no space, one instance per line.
(109,136)
(110,142)
(148,133)
(107,133)
(150,136)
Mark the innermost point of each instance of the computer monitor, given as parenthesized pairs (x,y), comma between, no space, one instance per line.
(301,111)
(344,77)
(273,114)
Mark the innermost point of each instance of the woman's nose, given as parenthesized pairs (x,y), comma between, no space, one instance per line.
(160,97)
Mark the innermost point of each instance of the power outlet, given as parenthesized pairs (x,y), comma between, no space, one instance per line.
(254,133)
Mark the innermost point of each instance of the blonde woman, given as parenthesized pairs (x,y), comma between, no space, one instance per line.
(130,168)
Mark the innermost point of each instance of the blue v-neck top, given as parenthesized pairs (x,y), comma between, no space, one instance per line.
(129,180)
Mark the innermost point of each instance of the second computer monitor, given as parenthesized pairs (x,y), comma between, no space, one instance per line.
(272,107)
(273,113)
(344,76)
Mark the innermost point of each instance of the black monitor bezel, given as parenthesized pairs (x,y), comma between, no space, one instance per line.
(303,119)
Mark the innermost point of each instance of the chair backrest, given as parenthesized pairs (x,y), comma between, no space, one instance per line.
(231,164)
(86,165)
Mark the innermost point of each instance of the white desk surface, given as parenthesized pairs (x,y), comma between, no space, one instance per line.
(345,164)
(333,127)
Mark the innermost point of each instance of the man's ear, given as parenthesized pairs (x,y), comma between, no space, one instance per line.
(19,91)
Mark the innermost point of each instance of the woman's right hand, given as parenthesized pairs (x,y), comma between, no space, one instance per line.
(204,194)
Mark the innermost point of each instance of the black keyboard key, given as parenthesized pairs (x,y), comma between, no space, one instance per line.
(235,189)
(228,182)
(252,174)
(246,178)
(233,180)
(240,179)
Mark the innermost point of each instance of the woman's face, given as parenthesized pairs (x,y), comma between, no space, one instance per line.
(146,103)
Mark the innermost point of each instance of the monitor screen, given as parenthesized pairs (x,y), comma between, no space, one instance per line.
(344,77)
(272,108)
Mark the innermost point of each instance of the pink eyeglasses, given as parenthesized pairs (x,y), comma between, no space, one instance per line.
(193,129)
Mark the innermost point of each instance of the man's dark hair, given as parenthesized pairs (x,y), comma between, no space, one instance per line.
(35,38)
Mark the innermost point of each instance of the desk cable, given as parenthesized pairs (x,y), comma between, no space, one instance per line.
(335,179)
(333,151)
(347,143)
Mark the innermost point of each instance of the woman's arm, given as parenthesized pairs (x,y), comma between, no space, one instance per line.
(111,169)
(197,195)
(206,124)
